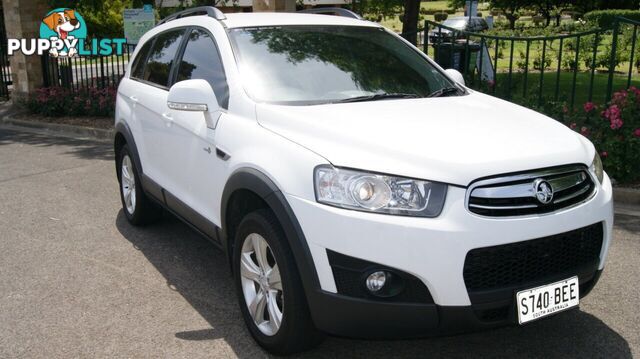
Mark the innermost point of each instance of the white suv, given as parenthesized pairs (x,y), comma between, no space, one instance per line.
(356,187)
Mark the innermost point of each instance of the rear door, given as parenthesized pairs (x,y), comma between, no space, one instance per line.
(151,107)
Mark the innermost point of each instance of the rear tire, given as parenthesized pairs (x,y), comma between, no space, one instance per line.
(269,288)
(137,207)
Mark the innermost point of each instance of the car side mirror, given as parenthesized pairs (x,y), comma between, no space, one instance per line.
(192,95)
(455,75)
(196,96)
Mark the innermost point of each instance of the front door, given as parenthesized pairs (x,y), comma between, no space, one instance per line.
(198,168)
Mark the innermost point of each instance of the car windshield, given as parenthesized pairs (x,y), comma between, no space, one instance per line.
(304,65)
(455,23)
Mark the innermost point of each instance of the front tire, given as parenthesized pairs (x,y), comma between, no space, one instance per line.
(269,288)
(137,207)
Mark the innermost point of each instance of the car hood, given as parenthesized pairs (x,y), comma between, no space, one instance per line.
(447,139)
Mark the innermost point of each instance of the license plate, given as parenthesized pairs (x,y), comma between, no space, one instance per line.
(547,299)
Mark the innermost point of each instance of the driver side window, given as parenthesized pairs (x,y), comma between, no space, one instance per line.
(201,60)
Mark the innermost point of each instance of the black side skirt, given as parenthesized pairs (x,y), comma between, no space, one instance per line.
(181,210)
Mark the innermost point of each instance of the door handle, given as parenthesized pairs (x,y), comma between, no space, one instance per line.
(133,98)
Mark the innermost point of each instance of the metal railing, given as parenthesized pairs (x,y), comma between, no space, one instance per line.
(81,72)
(557,68)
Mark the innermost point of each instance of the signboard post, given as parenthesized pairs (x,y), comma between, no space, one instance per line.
(471,8)
(137,22)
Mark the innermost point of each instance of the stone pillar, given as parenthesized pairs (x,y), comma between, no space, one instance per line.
(274,5)
(22,21)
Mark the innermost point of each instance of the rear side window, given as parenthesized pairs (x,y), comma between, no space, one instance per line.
(201,60)
(161,57)
(137,69)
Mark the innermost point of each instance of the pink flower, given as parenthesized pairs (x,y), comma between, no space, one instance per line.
(616,123)
(584,131)
(604,154)
(491,83)
(565,109)
(611,113)
(573,125)
(636,132)
(619,97)
(588,107)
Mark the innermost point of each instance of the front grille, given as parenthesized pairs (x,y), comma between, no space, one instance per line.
(516,264)
(515,195)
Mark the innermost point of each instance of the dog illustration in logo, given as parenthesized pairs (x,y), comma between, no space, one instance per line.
(62,23)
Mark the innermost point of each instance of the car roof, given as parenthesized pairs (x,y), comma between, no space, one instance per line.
(236,20)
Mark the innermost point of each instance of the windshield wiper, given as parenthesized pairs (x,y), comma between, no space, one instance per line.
(378,96)
(444,91)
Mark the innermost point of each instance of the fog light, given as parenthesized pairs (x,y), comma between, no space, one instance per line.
(375,281)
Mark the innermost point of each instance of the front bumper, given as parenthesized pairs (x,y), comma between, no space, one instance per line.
(359,318)
(433,250)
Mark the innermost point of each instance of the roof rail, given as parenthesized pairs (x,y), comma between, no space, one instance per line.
(195,11)
(338,11)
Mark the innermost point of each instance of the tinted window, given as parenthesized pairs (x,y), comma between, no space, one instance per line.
(320,64)
(161,57)
(137,69)
(202,61)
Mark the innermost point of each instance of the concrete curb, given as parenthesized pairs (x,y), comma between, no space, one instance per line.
(62,129)
(620,195)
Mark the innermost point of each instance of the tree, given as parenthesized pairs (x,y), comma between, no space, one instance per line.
(551,8)
(510,9)
(103,18)
(382,8)
(410,20)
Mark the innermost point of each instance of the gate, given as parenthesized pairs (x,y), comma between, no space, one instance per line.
(577,67)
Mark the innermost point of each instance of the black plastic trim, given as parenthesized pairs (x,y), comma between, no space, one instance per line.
(360,318)
(350,274)
(152,189)
(191,216)
(258,183)
(123,129)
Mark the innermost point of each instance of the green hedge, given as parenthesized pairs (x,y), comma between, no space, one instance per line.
(605,18)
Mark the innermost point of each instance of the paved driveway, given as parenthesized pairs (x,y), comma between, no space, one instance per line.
(77,281)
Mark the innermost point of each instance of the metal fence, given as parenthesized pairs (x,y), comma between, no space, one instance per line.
(567,67)
(78,73)
(5,68)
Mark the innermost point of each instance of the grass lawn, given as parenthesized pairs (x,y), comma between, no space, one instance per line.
(393,22)
(564,94)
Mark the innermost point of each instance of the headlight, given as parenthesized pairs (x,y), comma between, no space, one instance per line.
(596,167)
(377,193)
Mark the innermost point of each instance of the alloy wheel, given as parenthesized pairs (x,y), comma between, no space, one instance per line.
(261,284)
(128,184)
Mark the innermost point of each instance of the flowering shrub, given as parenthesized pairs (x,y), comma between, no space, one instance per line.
(615,131)
(61,101)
